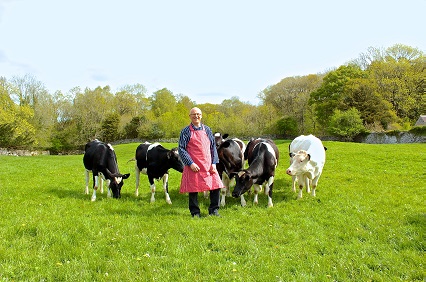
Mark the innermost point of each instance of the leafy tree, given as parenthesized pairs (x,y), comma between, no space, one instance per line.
(90,109)
(362,94)
(287,126)
(346,124)
(15,130)
(110,127)
(402,84)
(290,98)
(163,101)
(330,95)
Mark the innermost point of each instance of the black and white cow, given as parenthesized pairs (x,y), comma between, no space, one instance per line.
(231,159)
(155,161)
(100,159)
(262,156)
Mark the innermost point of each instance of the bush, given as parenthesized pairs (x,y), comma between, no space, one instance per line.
(418,130)
(287,126)
(346,124)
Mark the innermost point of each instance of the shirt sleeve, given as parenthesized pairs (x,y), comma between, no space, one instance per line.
(213,150)
(184,137)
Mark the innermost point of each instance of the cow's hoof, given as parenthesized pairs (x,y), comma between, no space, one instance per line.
(93,199)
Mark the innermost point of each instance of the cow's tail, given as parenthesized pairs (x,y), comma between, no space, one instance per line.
(131,160)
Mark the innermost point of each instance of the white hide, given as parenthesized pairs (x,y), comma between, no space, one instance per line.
(304,169)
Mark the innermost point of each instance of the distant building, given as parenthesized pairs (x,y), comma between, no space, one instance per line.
(421,121)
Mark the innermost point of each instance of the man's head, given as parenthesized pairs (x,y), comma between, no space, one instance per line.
(195,115)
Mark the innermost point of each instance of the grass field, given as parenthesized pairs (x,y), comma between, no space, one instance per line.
(367,223)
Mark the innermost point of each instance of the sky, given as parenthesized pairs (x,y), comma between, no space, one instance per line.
(207,50)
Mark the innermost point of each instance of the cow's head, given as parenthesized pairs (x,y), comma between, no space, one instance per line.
(243,182)
(300,164)
(175,160)
(116,182)
(219,138)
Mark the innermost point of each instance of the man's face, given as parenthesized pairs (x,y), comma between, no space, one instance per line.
(195,116)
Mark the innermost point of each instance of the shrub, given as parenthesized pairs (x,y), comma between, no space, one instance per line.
(346,124)
(287,126)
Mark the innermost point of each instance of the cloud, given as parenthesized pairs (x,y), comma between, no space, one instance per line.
(3,57)
(99,77)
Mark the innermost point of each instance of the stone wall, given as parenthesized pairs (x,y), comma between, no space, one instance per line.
(394,138)
(13,152)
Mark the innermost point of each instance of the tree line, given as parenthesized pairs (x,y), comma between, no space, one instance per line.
(380,90)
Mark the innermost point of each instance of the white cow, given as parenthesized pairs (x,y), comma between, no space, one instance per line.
(307,159)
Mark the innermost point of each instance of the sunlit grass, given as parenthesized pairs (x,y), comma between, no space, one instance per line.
(367,223)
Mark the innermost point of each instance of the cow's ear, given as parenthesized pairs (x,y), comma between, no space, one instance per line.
(225,135)
(309,157)
(325,148)
(291,155)
(125,176)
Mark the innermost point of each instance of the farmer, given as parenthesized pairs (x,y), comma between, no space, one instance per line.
(197,149)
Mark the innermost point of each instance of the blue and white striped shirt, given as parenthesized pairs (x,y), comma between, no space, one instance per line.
(185,135)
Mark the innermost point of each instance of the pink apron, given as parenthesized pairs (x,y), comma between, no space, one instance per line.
(198,149)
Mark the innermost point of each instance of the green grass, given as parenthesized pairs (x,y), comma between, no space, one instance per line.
(367,223)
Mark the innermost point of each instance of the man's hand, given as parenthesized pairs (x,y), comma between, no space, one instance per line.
(194,167)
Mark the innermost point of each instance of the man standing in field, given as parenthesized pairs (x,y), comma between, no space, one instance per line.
(197,150)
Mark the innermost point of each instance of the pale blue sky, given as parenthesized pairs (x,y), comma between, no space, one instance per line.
(206,50)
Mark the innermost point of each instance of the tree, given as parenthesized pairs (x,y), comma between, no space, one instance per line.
(361,93)
(346,124)
(287,126)
(163,101)
(110,127)
(290,98)
(330,95)
(15,130)
(89,111)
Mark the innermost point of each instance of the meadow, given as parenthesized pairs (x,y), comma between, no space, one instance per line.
(367,223)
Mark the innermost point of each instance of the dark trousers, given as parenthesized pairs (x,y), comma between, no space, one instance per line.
(214,202)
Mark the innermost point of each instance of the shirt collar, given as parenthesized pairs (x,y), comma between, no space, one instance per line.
(197,128)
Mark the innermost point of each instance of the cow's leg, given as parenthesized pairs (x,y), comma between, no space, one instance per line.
(243,201)
(86,176)
(293,178)
(308,185)
(152,186)
(303,182)
(268,191)
(166,188)
(315,184)
(137,175)
(224,191)
(95,185)
(222,196)
(108,182)
(257,189)
(101,184)
(299,195)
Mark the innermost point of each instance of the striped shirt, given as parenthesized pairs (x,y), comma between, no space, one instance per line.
(185,135)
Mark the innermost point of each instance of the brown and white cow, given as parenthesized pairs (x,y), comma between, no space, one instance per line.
(231,159)
(307,159)
(263,156)
(100,159)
